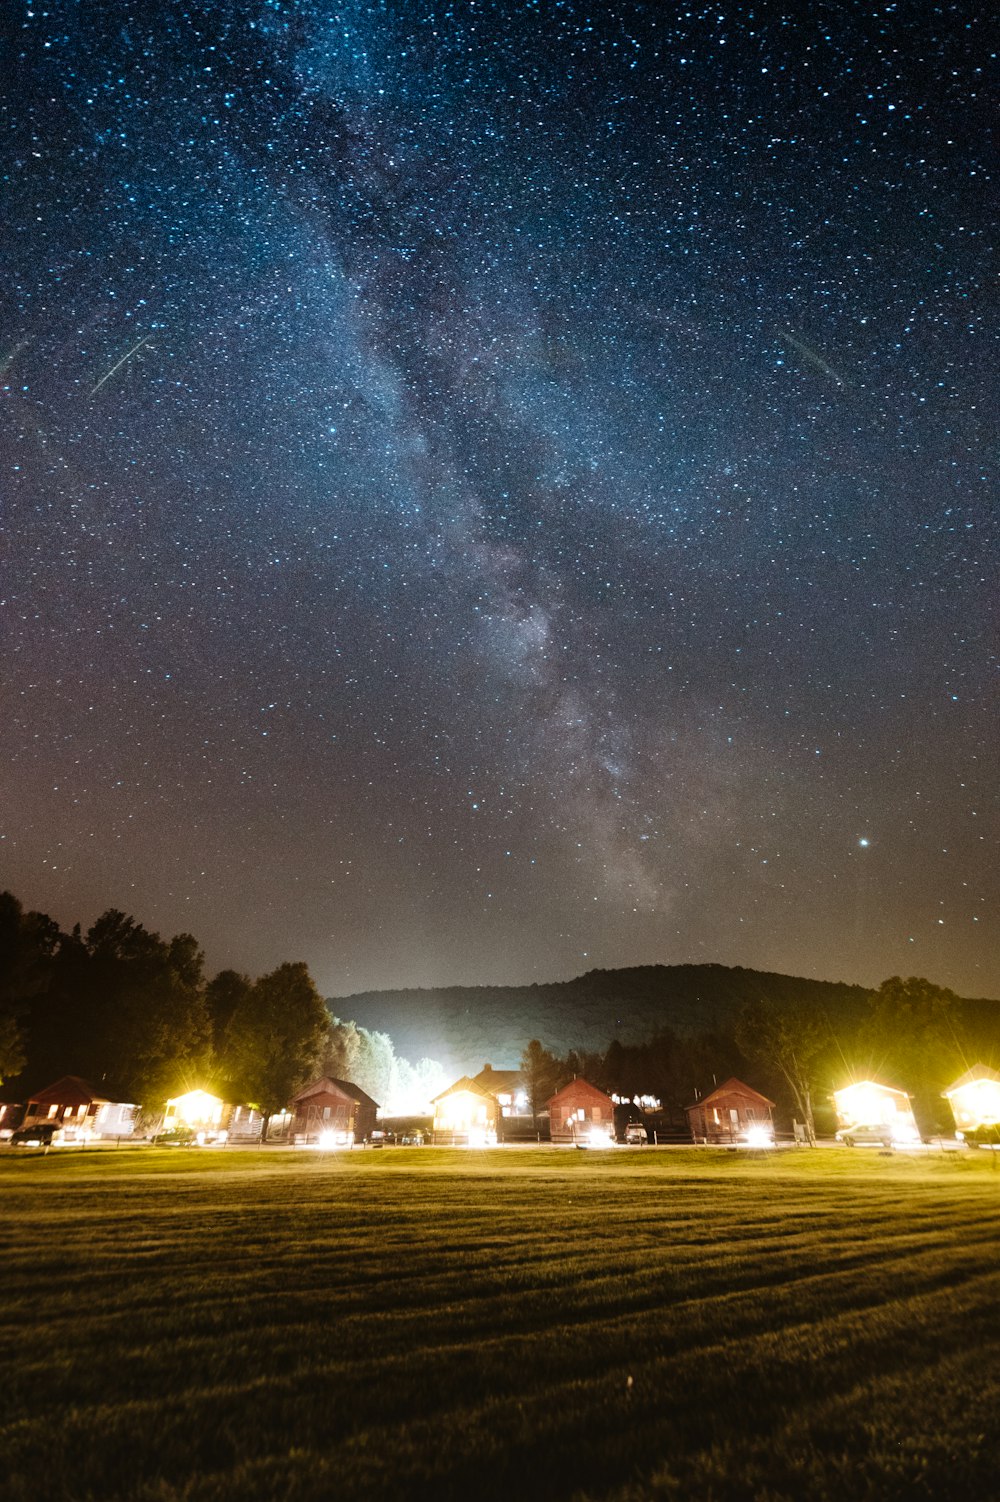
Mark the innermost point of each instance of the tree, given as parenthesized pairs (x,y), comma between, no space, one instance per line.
(12,1055)
(414,1087)
(791,1039)
(365,1058)
(226,995)
(340,1051)
(915,1033)
(147,1028)
(274,1036)
(28,943)
(542,1073)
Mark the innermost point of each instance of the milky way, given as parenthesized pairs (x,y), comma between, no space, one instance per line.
(495,490)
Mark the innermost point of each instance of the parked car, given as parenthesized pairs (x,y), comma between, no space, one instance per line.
(176,1137)
(412,1139)
(865,1136)
(636,1134)
(41,1135)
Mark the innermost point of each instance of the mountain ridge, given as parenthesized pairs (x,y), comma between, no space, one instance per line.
(464,1027)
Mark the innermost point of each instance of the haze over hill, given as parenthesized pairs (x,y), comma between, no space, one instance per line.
(465,1026)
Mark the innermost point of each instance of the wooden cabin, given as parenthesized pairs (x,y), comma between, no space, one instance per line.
(733,1113)
(975,1099)
(79,1112)
(580,1113)
(332,1113)
(868,1111)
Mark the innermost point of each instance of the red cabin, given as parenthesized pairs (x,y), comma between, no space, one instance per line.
(579,1110)
(733,1113)
(333,1113)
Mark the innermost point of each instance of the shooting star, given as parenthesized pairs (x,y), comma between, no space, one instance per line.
(119,363)
(813,357)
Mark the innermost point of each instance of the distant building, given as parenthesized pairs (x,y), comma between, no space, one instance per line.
(869,1111)
(79,1112)
(332,1113)
(578,1110)
(465,1114)
(733,1113)
(11,1116)
(975,1099)
(483,1108)
(246,1124)
(200,1112)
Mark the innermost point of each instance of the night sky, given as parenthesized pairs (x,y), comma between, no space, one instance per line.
(496,490)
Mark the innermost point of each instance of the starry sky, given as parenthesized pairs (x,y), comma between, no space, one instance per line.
(494,490)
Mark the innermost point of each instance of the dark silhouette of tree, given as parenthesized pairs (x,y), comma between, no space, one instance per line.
(914,1039)
(542,1073)
(149,1030)
(226,995)
(792,1039)
(274,1037)
(28,944)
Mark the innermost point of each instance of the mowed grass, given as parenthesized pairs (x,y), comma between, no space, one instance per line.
(515,1324)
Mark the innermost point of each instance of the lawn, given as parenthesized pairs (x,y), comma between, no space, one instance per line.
(516,1324)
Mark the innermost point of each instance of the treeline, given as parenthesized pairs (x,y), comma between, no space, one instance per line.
(910,1034)
(136,1016)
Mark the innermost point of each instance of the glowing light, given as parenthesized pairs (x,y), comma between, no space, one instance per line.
(759,1136)
(463,1114)
(976,1103)
(195,1109)
(877,1109)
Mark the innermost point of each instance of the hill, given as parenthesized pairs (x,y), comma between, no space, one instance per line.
(465,1026)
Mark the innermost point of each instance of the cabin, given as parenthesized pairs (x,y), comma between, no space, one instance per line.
(200,1112)
(465,1113)
(733,1113)
(331,1113)
(975,1100)
(246,1124)
(11,1116)
(581,1114)
(80,1114)
(484,1108)
(868,1110)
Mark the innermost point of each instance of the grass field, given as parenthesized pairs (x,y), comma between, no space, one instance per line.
(514,1324)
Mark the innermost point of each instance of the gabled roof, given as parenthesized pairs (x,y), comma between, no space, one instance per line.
(71,1090)
(329,1086)
(498,1081)
(580,1087)
(732,1086)
(979,1074)
(466,1086)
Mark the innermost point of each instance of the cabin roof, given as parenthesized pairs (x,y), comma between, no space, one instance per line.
(732,1087)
